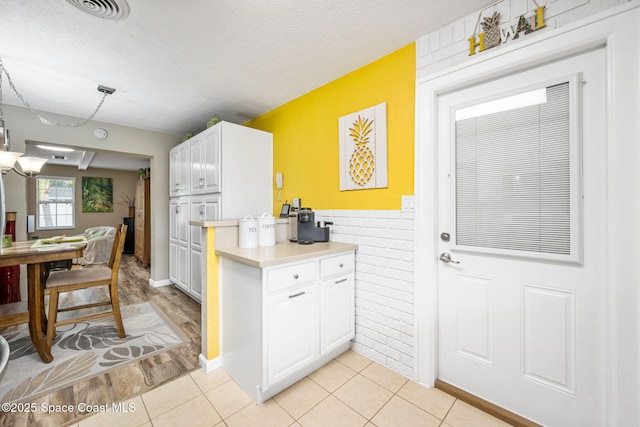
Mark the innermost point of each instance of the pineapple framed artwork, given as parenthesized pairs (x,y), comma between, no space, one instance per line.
(363,149)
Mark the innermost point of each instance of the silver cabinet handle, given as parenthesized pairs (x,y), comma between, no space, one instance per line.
(297,295)
(446,258)
(295,276)
(341,280)
(341,265)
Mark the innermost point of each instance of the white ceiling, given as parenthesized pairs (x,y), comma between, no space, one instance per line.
(175,65)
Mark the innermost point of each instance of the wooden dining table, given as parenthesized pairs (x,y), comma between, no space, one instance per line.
(35,257)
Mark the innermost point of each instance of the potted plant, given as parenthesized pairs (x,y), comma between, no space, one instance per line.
(130,202)
(143,173)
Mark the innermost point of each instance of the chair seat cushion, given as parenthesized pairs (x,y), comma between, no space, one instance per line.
(82,275)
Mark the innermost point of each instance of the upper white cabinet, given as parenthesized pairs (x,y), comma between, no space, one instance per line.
(205,161)
(233,160)
(179,170)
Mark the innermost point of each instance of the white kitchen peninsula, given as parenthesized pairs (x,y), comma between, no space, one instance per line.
(286,310)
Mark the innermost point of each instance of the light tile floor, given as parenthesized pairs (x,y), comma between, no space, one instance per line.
(348,391)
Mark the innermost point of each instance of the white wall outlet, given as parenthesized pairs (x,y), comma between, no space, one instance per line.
(408,203)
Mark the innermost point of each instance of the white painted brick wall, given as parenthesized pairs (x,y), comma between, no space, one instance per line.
(384,283)
(449,46)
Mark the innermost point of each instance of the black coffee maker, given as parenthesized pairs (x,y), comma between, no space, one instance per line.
(306,226)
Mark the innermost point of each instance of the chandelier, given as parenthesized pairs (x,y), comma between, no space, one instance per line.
(31,166)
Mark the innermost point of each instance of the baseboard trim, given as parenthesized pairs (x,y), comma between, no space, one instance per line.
(159,283)
(488,407)
(209,365)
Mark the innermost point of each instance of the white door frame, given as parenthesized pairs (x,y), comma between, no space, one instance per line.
(616,30)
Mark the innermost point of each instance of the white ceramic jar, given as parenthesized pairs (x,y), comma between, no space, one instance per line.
(248,232)
(266,230)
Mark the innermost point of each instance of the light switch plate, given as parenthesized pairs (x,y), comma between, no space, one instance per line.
(408,203)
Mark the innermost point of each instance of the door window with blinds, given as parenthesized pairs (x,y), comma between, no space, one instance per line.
(517,173)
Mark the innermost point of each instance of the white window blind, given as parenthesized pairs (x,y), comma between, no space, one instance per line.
(513,177)
(55,202)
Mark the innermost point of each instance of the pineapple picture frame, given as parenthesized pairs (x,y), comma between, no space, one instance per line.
(363,149)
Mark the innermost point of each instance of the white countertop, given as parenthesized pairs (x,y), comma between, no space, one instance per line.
(283,253)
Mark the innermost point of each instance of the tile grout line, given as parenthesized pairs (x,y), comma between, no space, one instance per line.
(204,394)
(455,399)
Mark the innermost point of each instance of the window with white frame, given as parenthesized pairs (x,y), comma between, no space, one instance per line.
(55,202)
(516,188)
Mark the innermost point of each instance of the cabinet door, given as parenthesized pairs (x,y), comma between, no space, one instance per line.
(211,160)
(182,220)
(179,241)
(196,148)
(173,171)
(337,311)
(203,209)
(183,268)
(292,331)
(173,262)
(195,273)
(179,167)
(205,162)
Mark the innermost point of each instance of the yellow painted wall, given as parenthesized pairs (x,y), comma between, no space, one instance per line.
(305,134)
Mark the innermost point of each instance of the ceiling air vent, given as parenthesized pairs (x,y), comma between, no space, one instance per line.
(106,9)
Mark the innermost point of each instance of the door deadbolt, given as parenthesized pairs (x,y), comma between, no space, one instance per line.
(445,237)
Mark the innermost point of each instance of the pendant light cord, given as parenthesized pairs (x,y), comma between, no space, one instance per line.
(4,71)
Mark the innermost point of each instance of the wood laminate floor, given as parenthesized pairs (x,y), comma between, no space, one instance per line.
(134,378)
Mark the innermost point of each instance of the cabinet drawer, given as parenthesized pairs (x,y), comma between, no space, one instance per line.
(337,264)
(281,278)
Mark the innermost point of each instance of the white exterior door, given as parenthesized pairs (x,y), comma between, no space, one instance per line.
(521,288)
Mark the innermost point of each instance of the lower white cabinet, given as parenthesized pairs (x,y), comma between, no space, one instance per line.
(337,301)
(292,335)
(185,246)
(338,322)
(179,241)
(283,322)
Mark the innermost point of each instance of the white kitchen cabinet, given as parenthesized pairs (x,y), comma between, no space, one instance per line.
(205,161)
(202,208)
(224,172)
(179,241)
(282,322)
(232,160)
(337,298)
(292,337)
(179,164)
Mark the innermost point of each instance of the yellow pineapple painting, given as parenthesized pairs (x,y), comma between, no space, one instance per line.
(362,162)
(363,149)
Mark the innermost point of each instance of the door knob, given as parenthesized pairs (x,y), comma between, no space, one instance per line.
(446,257)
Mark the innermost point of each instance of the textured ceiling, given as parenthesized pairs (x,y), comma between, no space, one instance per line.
(177,64)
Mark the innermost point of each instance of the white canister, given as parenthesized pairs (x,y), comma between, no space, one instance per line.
(266,229)
(248,232)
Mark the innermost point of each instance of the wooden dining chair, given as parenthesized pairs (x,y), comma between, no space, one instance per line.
(83,278)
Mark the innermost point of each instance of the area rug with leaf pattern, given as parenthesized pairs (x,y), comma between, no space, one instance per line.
(84,350)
